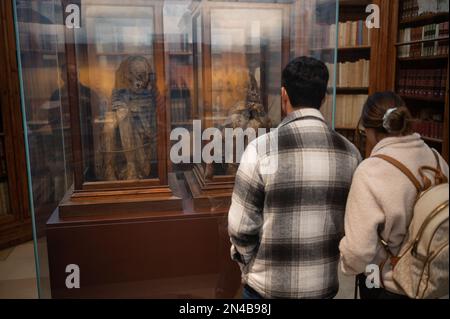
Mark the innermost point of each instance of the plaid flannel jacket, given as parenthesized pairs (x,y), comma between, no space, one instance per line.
(285,225)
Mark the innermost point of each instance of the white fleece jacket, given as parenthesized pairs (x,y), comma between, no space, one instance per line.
(382,196)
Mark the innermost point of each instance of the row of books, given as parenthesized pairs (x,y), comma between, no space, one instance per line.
(414,8)
(422,82)
(429,48)
(430,129)
(180,74)
(180,103)
(351,34)
(4,199)
(351,74)
(348,110)
(358,140)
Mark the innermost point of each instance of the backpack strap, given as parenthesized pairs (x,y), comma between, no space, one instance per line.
(439,176)
(437,159)
(403,169)
(390,255)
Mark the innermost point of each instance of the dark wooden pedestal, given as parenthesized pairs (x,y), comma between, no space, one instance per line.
(119,202)
(182,254)
(209,195)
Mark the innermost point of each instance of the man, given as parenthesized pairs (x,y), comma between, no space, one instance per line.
(285,224)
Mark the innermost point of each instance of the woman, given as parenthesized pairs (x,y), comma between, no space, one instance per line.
(382,198)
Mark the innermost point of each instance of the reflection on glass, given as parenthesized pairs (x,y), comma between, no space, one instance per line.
(246,55)
(199,61)
(41,50)
(118,92)
(41,45)
(246,59)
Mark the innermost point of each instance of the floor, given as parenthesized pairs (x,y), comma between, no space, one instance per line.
(18,275)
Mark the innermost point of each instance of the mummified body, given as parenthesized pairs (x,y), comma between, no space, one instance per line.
(130,128)
(244,114)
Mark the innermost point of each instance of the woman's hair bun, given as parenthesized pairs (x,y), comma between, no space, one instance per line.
(387,113)
(397,120)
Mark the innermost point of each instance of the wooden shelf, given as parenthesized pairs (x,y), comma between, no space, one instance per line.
(423,98)
(350,90)
(424,19)
(180,53)
(123,53)
(399,44)
(344,49)
(424,58)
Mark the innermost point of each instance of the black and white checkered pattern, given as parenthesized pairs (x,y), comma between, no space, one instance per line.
(285,226)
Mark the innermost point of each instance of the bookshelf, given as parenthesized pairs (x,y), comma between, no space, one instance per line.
(421,63)
(353,81)
(437,17)
(180,82)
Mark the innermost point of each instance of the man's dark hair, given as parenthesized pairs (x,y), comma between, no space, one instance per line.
(305,80)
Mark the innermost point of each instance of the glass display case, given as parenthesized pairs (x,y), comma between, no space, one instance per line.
(116,84)
(131,74)
(101,104)
(239,51)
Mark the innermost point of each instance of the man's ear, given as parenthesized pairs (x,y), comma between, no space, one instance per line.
(284,95)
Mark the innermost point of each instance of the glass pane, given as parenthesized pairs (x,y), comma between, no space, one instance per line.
(117,91)
(246,60)
(40,35)
(198,62)
(241,50)
(146,67)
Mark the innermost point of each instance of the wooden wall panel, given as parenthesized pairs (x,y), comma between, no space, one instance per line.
(17,228)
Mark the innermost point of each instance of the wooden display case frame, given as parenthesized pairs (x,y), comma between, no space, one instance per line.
(116,197)
(214,195)
(15,227)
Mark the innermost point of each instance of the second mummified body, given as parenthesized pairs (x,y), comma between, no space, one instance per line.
(244,114)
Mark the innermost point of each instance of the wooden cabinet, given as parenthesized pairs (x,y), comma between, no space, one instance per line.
(15,220)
